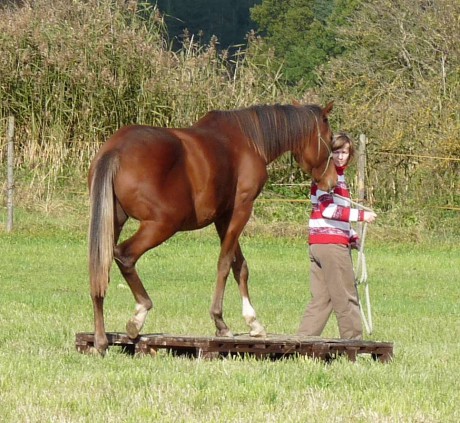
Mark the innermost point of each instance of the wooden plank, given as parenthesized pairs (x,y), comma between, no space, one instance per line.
(272,346)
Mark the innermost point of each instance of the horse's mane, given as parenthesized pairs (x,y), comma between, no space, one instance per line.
(278,128)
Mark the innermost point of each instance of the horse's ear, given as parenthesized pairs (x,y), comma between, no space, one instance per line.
(296,103)
(328,108)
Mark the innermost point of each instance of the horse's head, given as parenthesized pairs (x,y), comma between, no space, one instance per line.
(315,155)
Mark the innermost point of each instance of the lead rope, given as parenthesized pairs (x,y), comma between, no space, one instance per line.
(361,272)
(362,279)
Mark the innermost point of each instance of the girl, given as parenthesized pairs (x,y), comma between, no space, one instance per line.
(332,280)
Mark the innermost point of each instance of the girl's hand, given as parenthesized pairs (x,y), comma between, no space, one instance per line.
(369,217)
(354,243)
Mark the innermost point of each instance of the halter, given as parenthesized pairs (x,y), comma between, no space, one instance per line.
(329,157)
(321,139)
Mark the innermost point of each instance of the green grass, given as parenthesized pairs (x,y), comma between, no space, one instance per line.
(45,301)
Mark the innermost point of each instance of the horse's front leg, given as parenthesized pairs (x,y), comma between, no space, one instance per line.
(223,269)
(241,274)
(232,257)
(229,231)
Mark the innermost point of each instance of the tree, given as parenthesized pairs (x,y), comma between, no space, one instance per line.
(303,33)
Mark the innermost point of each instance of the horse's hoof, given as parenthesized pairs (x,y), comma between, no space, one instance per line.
(226,333)
(97,352)
(132,329)
(258,333)
(257,330)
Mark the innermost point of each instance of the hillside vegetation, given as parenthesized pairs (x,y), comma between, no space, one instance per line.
(72,73)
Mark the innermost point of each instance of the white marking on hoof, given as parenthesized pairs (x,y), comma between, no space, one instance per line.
(249,313)
(136,323)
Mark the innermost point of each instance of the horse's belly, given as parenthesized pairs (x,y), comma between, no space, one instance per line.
(204,213)
(193,224)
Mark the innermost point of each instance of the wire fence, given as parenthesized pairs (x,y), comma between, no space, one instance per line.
(454,183)
(420,156)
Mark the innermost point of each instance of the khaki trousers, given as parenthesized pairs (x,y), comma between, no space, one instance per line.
(332,285)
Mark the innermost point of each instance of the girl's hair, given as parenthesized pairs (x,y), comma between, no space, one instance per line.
(339,140)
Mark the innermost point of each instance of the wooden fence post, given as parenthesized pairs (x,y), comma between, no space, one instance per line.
(361,174)
(362,168)
(10,174)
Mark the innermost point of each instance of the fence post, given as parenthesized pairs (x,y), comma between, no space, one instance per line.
(362,168)
(10,174)
(361,173)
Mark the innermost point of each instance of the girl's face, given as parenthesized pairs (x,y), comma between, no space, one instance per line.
(340,156)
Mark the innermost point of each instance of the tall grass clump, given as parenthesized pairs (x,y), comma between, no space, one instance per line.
(73,72)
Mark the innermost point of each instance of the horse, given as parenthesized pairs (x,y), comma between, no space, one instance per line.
(183,179)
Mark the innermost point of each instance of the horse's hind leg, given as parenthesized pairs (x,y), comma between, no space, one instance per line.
(148,236)
(100,337)
(241,274)
(101,342)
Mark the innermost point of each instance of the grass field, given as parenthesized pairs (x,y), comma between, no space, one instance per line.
(45,300)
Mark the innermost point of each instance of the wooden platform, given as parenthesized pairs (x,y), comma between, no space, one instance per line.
(270,347)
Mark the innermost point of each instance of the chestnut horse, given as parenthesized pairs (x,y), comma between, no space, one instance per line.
(174,180)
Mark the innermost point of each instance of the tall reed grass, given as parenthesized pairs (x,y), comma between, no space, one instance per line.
(73,72)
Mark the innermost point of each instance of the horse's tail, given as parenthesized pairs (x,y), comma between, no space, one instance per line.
(102,220)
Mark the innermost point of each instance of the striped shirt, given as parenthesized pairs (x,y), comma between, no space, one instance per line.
(331,216)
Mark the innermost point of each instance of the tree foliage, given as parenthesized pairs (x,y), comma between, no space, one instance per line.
(399,83)
(303,33)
